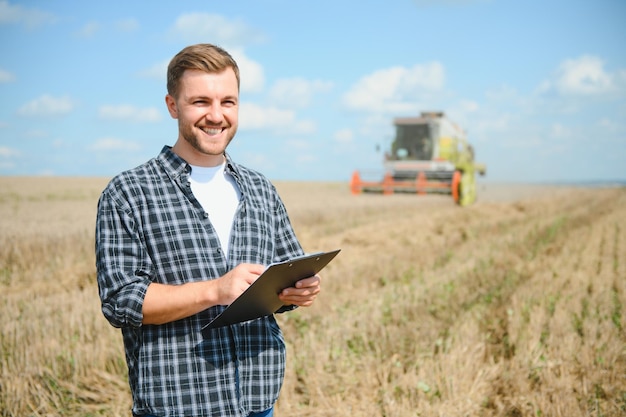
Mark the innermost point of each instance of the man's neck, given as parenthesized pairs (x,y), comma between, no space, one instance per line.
(194,157)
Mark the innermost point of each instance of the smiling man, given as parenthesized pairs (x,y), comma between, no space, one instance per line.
(179,238)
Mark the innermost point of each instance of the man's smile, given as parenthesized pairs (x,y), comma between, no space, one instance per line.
(212,131)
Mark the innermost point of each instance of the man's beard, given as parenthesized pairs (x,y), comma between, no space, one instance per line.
(190,133)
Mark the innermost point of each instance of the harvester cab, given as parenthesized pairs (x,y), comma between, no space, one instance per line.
(429,154)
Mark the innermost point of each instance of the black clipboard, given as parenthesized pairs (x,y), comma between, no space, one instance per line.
(261,298)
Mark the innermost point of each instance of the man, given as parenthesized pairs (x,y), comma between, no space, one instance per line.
(183,235)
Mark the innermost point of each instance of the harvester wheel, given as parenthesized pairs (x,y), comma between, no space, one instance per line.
(355,183)
(456,186)
(463,188)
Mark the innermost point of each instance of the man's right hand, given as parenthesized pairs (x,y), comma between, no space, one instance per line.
(165,303)
(236,281)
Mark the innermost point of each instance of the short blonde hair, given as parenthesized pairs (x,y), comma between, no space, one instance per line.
(204,57)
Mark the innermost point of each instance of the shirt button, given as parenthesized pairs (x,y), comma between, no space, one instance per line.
(206,215)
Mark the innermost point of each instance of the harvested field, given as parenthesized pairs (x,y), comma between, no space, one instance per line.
(513,306)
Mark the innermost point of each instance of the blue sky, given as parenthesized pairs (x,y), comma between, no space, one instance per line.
(540,86)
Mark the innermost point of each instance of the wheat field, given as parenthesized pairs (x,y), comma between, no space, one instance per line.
(512,307)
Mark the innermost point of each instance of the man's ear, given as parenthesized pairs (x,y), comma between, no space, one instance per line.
(171,106)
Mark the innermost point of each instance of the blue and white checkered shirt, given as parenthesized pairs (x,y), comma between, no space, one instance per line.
(150,228)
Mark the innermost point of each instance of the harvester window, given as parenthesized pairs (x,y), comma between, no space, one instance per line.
(402,153)
(413,142)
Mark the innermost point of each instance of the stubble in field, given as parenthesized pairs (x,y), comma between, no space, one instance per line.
(510,307)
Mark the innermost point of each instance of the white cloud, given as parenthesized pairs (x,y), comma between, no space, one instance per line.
(127,25)
(47,105)
(298,144)
(250,72)
(502,92)
(6,152)
(468,106)
(258,159)
(558,130)
(297,92)
(299,152)
(611,126)
(112,144)
(5,165)
(462,111)
(344,136)
(496,123)
(157,71)
(8,158)
(256,117)
(30,18)
(6,76)
(583,76)
(128,113)
(396,89)
(198,27)
(36,134)
(88,30)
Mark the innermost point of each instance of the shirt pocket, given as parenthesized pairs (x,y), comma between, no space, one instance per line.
(255,234)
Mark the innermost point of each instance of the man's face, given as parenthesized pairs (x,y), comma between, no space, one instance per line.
(207,108)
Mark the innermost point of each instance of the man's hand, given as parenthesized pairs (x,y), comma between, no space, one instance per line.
(303,293)
(165,303)
(236,281)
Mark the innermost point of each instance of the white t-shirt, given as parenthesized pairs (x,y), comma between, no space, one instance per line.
(219,195)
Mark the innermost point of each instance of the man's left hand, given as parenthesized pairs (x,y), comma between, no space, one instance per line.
(303,293)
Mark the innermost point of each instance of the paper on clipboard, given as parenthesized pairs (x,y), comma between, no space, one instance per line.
(261,298)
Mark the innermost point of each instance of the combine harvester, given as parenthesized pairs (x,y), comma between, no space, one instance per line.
(429,155)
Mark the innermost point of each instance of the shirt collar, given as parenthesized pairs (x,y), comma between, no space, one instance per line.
(232,167)
(175,166)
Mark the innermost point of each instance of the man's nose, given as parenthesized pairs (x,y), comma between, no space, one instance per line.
(214,114)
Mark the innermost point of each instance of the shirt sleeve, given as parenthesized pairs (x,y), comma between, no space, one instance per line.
(287,245)
(123,266)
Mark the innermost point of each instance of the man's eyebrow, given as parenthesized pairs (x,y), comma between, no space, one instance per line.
(207,98)
(199,96)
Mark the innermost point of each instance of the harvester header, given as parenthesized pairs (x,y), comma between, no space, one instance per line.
(429,154)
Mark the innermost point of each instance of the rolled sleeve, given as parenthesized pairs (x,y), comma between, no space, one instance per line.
(123,268)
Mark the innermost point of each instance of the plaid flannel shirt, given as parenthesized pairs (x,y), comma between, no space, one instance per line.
(150,228)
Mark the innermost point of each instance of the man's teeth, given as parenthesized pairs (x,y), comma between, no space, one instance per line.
(212,131)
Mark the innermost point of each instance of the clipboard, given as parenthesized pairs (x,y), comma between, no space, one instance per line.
(261,298)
